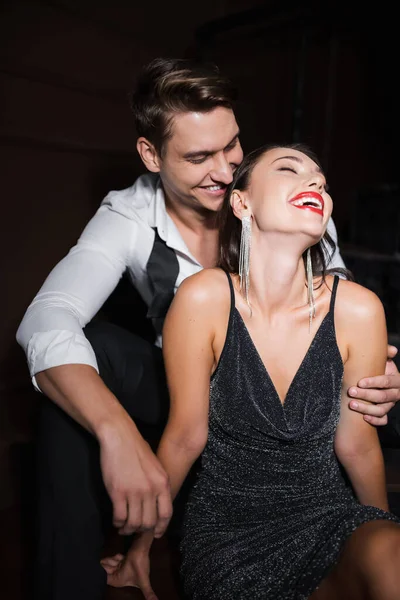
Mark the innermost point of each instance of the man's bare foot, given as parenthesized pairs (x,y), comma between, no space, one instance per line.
(112,566)
(131,570)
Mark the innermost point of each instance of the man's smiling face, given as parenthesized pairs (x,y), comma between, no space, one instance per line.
(200,157)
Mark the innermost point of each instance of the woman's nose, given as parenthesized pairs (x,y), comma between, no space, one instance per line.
(317,181)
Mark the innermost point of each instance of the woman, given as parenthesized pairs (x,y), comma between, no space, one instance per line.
(290,499)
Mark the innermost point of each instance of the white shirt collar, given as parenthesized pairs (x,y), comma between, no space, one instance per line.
(166,228)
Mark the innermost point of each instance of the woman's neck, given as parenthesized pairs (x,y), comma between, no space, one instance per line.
(277,277)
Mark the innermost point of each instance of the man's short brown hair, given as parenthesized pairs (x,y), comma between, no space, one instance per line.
(169,86)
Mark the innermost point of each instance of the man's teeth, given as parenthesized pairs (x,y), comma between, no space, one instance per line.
(308,201)
(214,188)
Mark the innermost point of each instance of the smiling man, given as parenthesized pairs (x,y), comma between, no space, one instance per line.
(99,382)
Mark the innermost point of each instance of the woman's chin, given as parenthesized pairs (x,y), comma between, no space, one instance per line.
(315,233)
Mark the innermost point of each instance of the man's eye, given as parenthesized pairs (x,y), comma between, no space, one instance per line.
(231,147)
(197,161)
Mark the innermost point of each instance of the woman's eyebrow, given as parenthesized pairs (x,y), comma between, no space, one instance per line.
(296,158)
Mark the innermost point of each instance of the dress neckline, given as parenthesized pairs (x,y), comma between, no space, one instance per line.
(297,373)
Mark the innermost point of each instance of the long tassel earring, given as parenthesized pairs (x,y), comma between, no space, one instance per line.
(244,258)
(310,289)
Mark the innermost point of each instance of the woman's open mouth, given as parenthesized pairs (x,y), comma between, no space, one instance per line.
(309,201)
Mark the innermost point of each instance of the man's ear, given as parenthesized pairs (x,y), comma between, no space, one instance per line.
(148,154)
(239,204)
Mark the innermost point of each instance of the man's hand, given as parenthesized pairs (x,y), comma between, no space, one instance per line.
(376,396)
(134,478)
(135,481)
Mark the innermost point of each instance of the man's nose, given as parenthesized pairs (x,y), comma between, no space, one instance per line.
(222,170)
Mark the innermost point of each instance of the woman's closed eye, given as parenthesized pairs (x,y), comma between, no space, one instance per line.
(326,186)
(287,169)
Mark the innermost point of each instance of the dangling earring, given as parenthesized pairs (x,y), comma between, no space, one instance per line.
(310,288)
(244,258)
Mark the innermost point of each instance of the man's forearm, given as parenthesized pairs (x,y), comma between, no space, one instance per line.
(81,393)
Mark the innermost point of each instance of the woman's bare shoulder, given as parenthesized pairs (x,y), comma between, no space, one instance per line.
(208,287)
(357,303)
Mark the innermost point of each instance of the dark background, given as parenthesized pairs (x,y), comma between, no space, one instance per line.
(319,72)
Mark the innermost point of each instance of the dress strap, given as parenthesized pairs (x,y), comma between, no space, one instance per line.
(231,288)
(230,322)
(333,295)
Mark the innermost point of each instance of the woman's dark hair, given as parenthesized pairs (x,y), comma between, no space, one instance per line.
(230,227)
(167,86)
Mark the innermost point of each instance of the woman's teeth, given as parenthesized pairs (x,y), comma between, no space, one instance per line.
(308,201)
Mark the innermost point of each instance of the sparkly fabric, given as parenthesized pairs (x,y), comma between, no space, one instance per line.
(271,507)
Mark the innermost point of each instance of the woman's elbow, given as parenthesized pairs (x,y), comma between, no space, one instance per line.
(197,442)
(191,442)
(349,450)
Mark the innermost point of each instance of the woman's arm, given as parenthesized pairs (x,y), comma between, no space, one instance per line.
(188,336)
(361,323)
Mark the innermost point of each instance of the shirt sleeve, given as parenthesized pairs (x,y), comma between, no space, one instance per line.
(51,331)
(336,260)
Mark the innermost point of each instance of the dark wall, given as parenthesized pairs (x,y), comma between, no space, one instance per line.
(65,138)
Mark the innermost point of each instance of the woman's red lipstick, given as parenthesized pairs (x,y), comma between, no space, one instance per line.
(309,201)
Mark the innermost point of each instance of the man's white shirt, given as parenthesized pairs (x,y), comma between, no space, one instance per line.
(118,238)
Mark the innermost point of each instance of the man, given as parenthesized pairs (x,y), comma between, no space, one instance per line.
(104,383)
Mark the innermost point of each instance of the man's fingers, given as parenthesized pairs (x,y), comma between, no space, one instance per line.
(144,510)
(134,518)
(376,421)
(392,351)
(378,396)
(164,504)
(372,410)
(120,511)
(149,515)
(378,382)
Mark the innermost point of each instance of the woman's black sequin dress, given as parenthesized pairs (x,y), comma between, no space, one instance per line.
(271,508)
